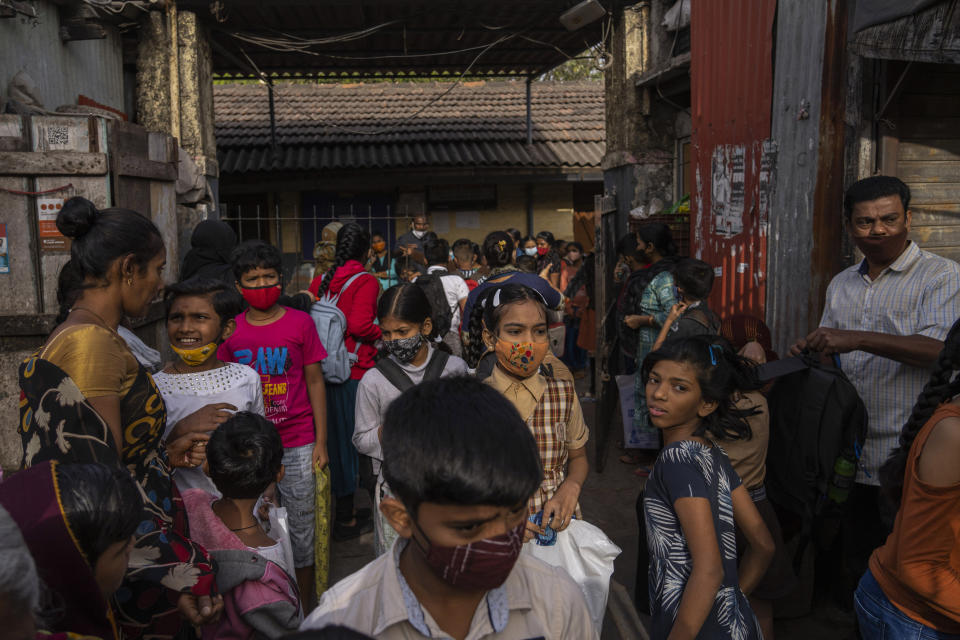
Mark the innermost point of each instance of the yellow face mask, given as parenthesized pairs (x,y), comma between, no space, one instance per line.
(195,357)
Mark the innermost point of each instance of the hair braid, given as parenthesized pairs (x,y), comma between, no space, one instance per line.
(474,347)
(939,388)
(353,242)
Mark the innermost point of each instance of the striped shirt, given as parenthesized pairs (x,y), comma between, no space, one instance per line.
(916,295)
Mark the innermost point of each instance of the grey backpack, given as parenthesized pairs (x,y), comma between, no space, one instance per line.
(332,328)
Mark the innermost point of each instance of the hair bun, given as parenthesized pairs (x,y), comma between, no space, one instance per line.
(76,217)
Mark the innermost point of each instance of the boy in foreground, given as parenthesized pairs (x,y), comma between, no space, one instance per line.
(463,466)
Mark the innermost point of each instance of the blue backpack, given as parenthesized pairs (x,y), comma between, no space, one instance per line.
(332,328)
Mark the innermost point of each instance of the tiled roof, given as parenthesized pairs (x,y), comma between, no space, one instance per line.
(377,125)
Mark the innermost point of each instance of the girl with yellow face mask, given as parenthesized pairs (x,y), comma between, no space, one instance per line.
(511,321)
(200,391)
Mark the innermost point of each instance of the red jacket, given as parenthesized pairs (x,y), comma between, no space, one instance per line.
(359,305)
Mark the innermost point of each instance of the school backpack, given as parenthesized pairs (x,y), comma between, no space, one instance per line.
(818,423)
(332,328)
(442,316)
(396,376)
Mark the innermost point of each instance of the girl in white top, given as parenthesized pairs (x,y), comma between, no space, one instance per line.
(404,315)
(199,391)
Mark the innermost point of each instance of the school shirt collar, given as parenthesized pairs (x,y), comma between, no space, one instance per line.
(903,262)
(398,602)
(524,394)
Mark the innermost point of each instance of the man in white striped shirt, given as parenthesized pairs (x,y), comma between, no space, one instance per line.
(886,317)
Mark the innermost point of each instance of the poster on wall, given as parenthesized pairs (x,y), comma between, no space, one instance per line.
(50,237)
(4,257)
(728,189)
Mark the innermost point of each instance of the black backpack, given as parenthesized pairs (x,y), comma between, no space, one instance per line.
(399,378)
(816,417)
(442,315)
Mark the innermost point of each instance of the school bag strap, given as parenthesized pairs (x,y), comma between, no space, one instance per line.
(396,376)
(336,298)
(438,362)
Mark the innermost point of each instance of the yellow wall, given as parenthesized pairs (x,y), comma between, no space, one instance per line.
(553,211)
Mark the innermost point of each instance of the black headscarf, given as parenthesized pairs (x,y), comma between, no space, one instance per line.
(211,244)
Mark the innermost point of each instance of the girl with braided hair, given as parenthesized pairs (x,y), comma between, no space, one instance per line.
(510,320)
(910,588)
(359,307)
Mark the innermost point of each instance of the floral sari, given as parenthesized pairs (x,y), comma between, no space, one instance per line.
(57,423)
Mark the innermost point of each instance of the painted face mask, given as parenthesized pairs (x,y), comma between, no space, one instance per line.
(531,251)
(195,357)
(481,565)
(261,298)
(404,349)
(521,359)
(542,251)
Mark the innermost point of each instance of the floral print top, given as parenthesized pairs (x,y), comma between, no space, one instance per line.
(689,469)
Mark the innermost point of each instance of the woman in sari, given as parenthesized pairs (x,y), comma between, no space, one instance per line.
(85,398)
(78,521)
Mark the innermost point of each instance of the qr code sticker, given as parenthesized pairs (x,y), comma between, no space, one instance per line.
(58,136)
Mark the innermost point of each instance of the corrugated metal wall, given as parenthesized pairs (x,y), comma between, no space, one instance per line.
(731,72)
(61,70)
(795,129)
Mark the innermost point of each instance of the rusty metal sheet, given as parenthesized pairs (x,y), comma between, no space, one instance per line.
(731,71)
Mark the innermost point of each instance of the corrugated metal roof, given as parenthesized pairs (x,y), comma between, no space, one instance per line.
(385,125)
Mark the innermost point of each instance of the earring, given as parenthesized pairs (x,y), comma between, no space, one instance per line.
(129,282)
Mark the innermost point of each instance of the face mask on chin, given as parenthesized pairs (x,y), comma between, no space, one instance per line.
(195,357)
(419,234)
(481,565)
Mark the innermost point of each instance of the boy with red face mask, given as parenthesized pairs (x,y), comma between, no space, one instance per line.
(282,345)
(461,495)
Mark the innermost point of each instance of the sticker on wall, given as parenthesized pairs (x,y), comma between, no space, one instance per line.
(727,189)
(50,237)
(742,267)
(4,252)
(718,272)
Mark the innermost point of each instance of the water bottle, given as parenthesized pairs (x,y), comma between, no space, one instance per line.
(844,472)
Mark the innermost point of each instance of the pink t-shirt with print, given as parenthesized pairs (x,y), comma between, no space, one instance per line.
(278,352)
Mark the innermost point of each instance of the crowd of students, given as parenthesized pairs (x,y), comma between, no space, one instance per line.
(150,497)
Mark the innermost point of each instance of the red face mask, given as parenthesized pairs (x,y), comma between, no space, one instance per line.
(542,251)
(481,565)
(261,298)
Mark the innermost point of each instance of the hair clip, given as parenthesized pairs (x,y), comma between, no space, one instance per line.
(714,358)
(502,244)
(496,298)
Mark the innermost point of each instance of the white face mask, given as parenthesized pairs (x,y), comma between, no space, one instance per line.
(531,251)
(419,234)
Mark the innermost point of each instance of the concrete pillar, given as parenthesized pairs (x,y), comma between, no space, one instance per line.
(175,83)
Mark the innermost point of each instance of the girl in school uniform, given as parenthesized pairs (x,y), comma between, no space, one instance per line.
(404,316)
(511,321)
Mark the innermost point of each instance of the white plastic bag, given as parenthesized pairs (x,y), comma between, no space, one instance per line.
(278,528)
(587,554)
